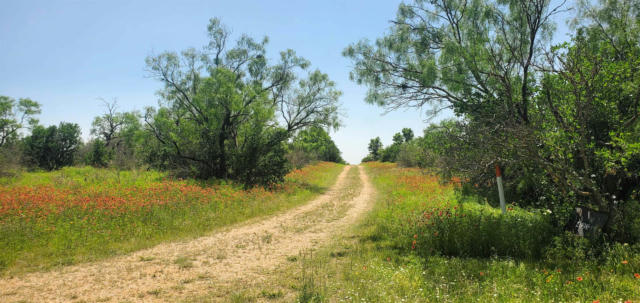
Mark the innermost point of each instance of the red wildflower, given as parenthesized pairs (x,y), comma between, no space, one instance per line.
(637,275)
(625,262)
(579,278)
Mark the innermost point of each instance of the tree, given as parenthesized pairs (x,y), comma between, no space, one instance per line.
(120,133)
(14,115)
(588,109)
(390,153)
(472,56)
(216,103)
(99,155)
(398,138)
(375,147)
(562,121)
(407,133)
(317,143)
(53,147)
(475,57)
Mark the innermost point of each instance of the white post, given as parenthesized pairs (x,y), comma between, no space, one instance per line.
(503,205)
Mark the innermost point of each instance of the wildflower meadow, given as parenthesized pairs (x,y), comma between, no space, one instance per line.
(81,213)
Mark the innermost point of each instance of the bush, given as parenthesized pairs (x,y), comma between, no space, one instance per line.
(98,155)
(409,155)
(262,161)
(426,216)
(316,143)
(368,158)
(469,230)
(53,147)
(568,249)
(299,158)
(10,160)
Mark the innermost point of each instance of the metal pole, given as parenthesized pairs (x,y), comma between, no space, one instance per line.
(503,205)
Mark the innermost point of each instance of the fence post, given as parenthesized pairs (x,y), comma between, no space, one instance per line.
(503,205)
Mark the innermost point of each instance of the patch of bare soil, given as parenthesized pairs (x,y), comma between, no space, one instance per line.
(173,271)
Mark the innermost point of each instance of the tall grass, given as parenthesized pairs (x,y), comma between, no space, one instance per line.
(81,214)
(428,217)
(424,243)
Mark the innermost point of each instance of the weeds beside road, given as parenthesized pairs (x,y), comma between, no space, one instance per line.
(76,215)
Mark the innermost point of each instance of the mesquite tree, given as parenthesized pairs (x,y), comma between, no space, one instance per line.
(226,111)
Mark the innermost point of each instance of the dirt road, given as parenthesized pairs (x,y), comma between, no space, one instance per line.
(172,271)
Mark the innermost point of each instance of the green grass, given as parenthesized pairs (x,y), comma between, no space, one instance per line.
(501,259)
(81,214)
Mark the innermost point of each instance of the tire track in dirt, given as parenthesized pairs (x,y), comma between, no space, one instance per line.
(172,271)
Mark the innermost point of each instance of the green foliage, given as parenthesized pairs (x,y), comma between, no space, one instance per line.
(53,147)
(375,148)
(218,115)
(262,161)
(316,143)
(391,153)
(409,155)
(407,133)
(99,155)
(11,158)
(561,121)
(439,222)
(13,116)
(123,138)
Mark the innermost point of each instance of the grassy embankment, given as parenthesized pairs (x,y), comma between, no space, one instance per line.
(424,243)
(75,215)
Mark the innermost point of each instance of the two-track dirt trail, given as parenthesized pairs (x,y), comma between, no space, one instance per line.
(169,272)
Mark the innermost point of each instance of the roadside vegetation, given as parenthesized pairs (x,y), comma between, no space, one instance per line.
(80,214)
(559,120)
(425,242)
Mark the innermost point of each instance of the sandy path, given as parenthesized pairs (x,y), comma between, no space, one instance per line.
(172,271)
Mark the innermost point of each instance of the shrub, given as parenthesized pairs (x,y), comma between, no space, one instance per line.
(480,231)
(53,147)
(98,155)
(426,216)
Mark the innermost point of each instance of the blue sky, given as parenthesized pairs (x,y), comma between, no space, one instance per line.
(67,54)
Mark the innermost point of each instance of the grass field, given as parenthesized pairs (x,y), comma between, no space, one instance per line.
(425,243)
(80,214)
